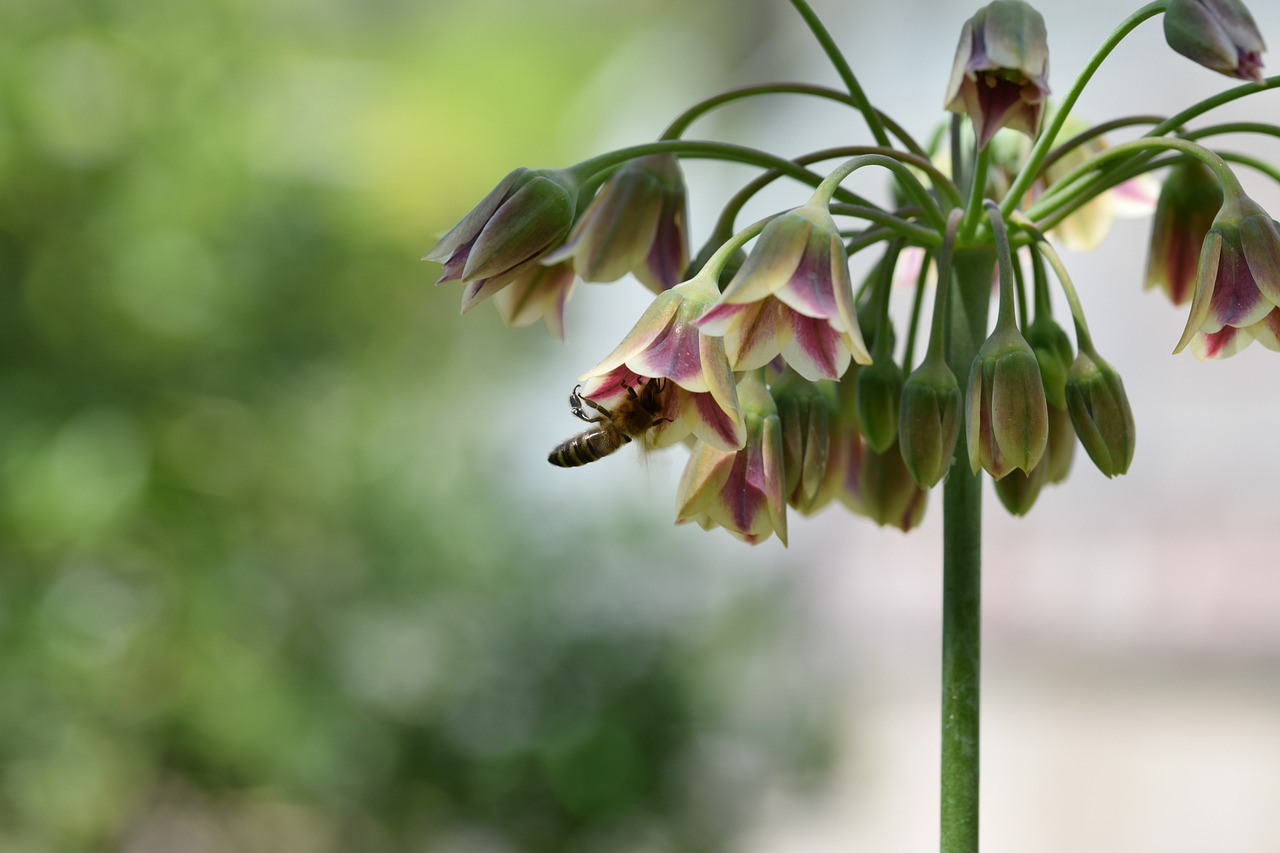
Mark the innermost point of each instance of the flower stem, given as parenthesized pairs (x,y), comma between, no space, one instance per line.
(1031,167)
(842,68)
(681,123)
(962,574)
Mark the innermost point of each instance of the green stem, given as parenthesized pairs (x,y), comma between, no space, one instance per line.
(682,122)
(917,306)
(976,191)
(1067,188)
(906,179)
(701,150)
(1084,341)
(962,574)
(1177,120)
(842,68)
(1093,133)
(1031,167)
(917,234)
(724,223)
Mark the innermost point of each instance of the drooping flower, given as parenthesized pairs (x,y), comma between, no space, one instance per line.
(1238,278)
(1189,201)
(792,297)
(846,448)
(635,224)
(1100,413)
(666,344)
(805,414)
(929,421)
(878,396)
(1000,75)
(1218,34)
(539,292)
(1005,409)
(741,490)
(890,495)
(523,218)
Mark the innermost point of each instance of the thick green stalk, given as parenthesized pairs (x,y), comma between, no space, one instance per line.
(962,573)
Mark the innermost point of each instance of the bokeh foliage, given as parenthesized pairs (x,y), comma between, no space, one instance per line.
(262,586)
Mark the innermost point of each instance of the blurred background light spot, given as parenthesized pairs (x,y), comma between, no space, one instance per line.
(77,483)
(84,100)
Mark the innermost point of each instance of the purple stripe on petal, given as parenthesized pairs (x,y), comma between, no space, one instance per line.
(740,499)
(1221,344)
(1236,298)
(758,337)
(715,426)
(717,320)
(673,354)
(815,350)
(810,290)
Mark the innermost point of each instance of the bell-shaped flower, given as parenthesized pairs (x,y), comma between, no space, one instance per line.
(1218,34)
(929,421)
(1000,75)
(1189,202)
(1238,278)
(742,490)
(635,224)
(1005,409)
(1100,413)
(805,414)
(511,229)
(792,297)
(538,292)
(665,343)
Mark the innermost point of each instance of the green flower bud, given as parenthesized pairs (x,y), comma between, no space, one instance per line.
(878,395)
(805,414)
(1005,411)
(1218,34)
(1062,445)
(511,229)
(1054,354)
(929,422)
(1100,413)
(1018,491)
(890,496)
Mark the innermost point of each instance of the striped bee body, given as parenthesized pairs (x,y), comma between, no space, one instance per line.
(612,428)
(588,446)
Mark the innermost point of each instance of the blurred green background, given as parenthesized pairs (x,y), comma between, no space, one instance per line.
(265,581)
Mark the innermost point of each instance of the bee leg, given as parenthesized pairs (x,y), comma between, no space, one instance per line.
(575,405)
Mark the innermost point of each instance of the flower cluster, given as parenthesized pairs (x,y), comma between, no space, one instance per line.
(792,387)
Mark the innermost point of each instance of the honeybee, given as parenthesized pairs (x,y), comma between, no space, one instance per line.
(637,412)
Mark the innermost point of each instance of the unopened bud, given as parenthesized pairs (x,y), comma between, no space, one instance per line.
(1100,413)
(878,394)
(1005,411)
(1054,354)
(929,421)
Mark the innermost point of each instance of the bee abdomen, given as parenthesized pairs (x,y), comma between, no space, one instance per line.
(587,447)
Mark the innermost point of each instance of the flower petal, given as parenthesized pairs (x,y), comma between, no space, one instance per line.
(652,324)
(813,348)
